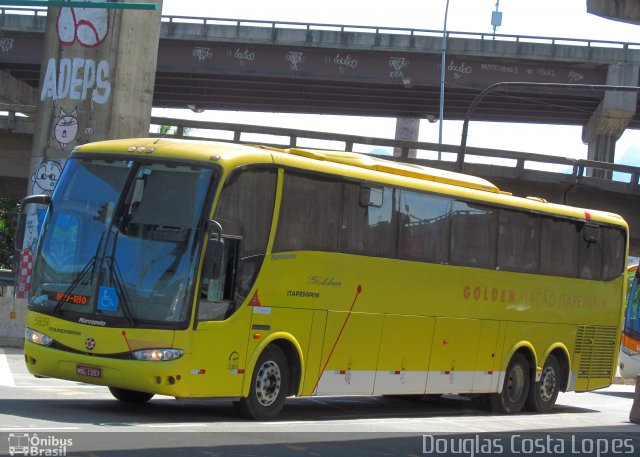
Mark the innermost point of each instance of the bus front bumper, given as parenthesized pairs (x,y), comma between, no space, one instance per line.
(163,378)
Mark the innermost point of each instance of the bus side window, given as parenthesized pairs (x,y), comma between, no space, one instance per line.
(309,214)
(474,233)
(590,253)
(559,248)
(613,262)
(244,212)
(518,241)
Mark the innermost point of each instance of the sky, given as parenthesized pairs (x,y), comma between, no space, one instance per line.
(548,18)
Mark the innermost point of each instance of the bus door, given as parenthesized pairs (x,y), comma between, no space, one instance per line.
(239,234)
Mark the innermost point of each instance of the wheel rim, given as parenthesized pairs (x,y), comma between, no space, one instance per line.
(516,384)
(268,383)
(547,384)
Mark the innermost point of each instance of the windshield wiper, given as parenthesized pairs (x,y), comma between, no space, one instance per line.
(115,277)
(89,266)
(74,283)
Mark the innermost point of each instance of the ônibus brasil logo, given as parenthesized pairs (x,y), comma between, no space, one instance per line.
(32,444)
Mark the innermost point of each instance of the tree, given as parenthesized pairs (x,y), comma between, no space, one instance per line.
(8,216)
(172,130)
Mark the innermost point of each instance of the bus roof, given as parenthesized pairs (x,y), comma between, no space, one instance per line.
(356,165)
(398,168)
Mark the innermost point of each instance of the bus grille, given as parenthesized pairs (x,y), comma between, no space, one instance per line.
(597,345)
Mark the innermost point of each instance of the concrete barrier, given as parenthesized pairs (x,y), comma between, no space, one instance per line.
(13,313)
(634,415)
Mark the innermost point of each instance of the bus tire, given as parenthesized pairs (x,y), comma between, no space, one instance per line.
(543,394)
(515,389)
(130,396)
(269,386)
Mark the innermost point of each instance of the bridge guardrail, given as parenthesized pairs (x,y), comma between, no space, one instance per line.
(516,162)
(343,28)
(578,170)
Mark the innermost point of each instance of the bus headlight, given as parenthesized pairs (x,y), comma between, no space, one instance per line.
(37,337)
(628,351)
(158,355)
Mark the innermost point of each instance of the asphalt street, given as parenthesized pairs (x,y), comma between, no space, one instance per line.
(58,417)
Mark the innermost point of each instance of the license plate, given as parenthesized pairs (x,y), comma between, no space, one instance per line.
(92,372)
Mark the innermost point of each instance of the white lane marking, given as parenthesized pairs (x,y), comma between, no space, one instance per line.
(6,377)
(190,424)
(31,429)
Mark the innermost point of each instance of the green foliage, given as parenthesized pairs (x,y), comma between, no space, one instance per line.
(172,130)
(8,214)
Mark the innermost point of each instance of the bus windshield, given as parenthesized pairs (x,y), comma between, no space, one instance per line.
(119,241)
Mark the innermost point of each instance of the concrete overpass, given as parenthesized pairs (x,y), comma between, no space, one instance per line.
(339,69)
(209,63)
(315,68)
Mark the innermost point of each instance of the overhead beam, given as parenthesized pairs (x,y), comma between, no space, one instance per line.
(617,10)
(16,92)
(78,4)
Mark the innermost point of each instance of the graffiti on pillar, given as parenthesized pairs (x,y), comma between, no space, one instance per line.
(76,79)
(6,45)
(45,177)
(202,53)
(459,69)
(88,26)
(499,68)
(79,78)
(66,128)
(243,56)
(397,65)
(343,62)
(295,59)
(574,76)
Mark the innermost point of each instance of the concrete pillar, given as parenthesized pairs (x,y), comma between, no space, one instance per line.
(611,117)
(617,10)
(407,128)
(96,83)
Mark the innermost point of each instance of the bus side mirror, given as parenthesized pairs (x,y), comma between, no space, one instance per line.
(213,254)
(22,219)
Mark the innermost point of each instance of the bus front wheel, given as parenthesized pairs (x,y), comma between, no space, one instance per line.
(543,394)
(130,396)
(515,389)
(269,386)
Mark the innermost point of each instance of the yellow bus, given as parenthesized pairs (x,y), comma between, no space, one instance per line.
(200,269)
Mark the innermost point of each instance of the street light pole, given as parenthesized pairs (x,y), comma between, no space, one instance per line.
(442,74)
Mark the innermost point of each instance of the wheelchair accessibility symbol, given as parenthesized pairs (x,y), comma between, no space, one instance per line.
(107,299)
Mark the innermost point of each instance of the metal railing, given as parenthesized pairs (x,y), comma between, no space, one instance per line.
(518,162)
(377,30)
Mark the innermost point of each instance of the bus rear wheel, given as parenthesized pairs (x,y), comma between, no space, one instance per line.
(269,386)
(130,396)
(543,394)
(515,389)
